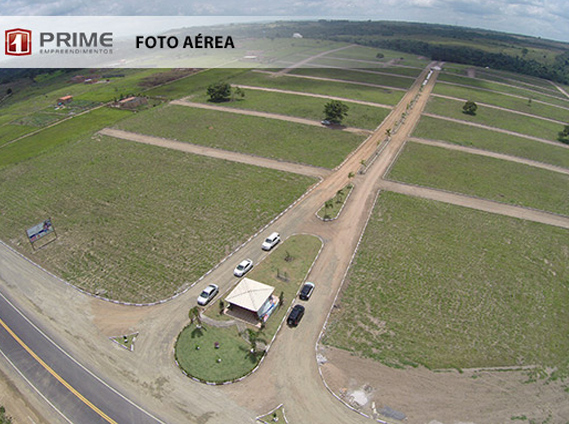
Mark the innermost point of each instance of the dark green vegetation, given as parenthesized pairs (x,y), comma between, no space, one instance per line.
(137,222)
(248,134)
(335,111)
(450,287)
(360,116)
(465,135)
(502,119)
(521,54)
(285,269)
(219,92)
(4,419)
(490,178)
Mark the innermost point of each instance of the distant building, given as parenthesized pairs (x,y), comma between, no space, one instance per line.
(297,35)
(132,102)
(64,100)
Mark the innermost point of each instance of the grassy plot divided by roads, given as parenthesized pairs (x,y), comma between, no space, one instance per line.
(450,287)
(486,139)
(359,116)
(137,222)
(196,350)
(269,138)
(485,177)
(502,119)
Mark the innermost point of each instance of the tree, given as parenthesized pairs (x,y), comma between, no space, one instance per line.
(238,93)
(195,316)
(380,55)
(563,136)
(335,111)
(219,92)
(470,108)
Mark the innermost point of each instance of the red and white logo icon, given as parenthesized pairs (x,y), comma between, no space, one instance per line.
(18,42)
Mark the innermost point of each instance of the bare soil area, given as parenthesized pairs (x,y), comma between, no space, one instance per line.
(425,396)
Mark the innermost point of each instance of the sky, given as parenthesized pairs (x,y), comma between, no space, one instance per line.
(539,18)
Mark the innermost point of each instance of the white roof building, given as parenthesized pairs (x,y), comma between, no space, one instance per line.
(253,296)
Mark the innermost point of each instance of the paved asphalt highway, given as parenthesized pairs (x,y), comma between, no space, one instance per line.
(56,375)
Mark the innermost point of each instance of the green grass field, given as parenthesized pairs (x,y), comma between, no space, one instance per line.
(497,99)
(450,287)
(554,98)
(236,360)
(324,62)
(359,116)
(465,135)
(494,179)
(9,132)
(351,75)
(349,91)
(58,135)
(495,118)
(248,134)
(370,53)
(137,222)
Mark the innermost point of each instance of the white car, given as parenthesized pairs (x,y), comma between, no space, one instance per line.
(208,294)
(243,267)
(271,241)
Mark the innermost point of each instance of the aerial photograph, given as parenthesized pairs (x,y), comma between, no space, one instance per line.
(300,212)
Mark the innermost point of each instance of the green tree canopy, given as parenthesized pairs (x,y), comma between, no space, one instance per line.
(219,92)
(335,111)
(564,135)
(470,108)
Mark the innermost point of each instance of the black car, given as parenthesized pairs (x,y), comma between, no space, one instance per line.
(295,315)
(306,291)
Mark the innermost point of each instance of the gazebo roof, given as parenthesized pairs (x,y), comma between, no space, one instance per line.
(250,294)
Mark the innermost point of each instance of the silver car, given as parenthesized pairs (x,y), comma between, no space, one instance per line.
(243,267)
(208,294)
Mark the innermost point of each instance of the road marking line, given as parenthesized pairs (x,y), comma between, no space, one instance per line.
(56,376)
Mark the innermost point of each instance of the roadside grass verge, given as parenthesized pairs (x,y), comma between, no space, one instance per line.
(332,207)
(442,286)
(495,118)
(359,116)
(65,132)
(554,98)
(350,75)
(505,101)
(338,89)
(465,135)
(265,137)
(489,178)
(135,222)
(292,259)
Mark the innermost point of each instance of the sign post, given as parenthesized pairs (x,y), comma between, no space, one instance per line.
(39,231)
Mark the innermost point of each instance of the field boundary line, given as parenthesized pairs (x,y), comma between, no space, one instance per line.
(490,154)
(363,71)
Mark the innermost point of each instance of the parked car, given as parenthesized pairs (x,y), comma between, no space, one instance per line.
(326,122)
(295,315)
(306,291)
(243,267)
(271,241)
(207,294)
